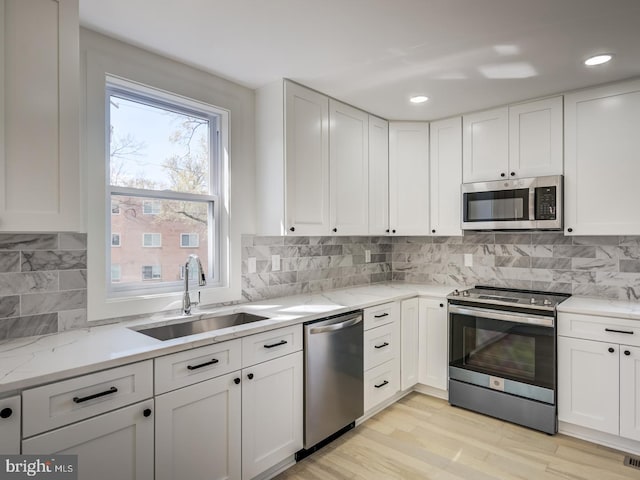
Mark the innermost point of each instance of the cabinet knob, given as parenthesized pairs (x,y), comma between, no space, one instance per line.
(627,353)
(387,230)
(433,231)
(250,376)
(442,305)
(569,229)
(147,412)
(236,381)
(503,174)
(513,174)
(293,229)
(393,231)
(6,412)
(335,230)
(611,350)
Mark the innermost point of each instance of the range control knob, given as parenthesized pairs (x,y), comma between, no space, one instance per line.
(455,293)
(547,302)
(465,293)
(532,301)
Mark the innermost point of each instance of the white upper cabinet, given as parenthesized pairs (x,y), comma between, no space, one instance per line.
(535,138)
(523,140)
(307,160)
(601,160)
(378,176)
(409,178)
(349,169)
(445,176)
(39,116)
(486,145)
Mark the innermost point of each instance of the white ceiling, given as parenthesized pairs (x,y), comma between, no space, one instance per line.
(464,54)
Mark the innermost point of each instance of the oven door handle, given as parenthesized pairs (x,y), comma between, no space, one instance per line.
(502,315)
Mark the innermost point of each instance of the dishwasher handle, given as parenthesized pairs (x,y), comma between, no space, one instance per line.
(336,326)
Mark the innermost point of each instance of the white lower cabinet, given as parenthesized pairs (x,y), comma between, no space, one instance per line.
(381,383)
(433,340)
(198,431)
(10,425)
(599,376)
(409,332)
(272,413)
(118,444)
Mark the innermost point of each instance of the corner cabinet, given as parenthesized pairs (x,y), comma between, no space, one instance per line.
(519,141)
(408,178)
(445,177)
(601,160)
(39,180)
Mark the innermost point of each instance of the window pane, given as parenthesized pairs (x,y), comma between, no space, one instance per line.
(158,148)
(150,250)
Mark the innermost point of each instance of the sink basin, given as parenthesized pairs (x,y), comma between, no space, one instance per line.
(176,330)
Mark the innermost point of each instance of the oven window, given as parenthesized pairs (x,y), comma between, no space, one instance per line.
(496,205)
(516,351)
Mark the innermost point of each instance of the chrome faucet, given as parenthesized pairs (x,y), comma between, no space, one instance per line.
(202,281)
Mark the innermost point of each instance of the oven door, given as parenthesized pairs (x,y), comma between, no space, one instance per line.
(514,352)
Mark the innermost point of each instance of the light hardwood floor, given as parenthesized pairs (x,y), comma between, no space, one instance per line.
(422,437)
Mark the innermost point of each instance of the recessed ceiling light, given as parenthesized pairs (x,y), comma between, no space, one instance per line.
(418,99)
(598,59)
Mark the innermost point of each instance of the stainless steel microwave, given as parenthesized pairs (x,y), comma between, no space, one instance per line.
(519,204)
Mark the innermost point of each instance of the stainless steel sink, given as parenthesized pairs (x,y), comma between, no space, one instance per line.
(176,330)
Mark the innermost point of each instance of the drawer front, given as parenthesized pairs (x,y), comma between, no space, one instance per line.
(603,329)
(381,383)
(381,344)
(57,404)
(192,366)
(272,344)
(381,315)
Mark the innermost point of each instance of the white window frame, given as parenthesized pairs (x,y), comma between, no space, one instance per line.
(189,236)
(104,61)
(156,207)
(153,236)
(156,272)
(119,244)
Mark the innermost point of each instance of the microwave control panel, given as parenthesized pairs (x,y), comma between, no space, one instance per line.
(546,207)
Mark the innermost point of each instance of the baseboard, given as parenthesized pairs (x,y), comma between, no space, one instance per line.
(600,438)
(277,469)
(387,403)
(431,391)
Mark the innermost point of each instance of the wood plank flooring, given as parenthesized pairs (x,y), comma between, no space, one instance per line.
(422,437)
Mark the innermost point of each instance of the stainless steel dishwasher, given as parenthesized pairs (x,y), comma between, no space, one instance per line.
(333,382)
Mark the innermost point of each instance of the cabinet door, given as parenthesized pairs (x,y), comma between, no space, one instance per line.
(307,161)
(198,431)
(409,178)
(349,169)
(409,320)
(10,426)
(601,160)
(588,384)
(434,342)
(446,176)
(485,145)
(118,444)
(271,413)
(39,79)
(535,138)
(630,392)
(378,176)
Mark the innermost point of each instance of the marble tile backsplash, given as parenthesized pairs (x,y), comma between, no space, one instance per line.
(601,266)
(43,283)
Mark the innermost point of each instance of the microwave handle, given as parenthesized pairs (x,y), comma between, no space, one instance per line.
(532,204)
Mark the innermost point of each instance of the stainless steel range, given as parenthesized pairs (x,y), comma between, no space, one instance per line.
(502,354)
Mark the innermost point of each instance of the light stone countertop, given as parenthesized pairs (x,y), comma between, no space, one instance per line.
(31,361)
(602,307)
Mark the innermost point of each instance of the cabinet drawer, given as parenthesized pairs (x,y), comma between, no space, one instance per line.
(381,383)
(272,344)
(381,344)
(192,366)
(603,329)
(57,404)
(381,315)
